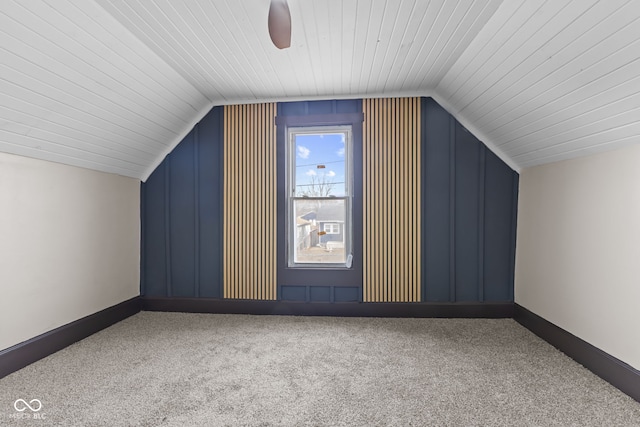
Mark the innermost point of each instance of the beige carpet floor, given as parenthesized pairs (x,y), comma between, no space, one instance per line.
(174,369)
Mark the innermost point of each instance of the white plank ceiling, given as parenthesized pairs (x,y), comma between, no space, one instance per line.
(114,85)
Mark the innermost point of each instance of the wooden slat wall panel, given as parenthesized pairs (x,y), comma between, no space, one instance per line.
(391,183)
(250,202)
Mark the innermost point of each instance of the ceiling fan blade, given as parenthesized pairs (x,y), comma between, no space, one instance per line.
(280,24)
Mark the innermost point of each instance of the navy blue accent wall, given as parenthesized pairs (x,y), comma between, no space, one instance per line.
(182,217)
(469,214)
(320,285)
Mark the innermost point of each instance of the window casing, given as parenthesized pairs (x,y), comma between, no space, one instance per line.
(331,228)
(319,196)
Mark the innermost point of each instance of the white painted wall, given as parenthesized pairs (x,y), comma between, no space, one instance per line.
(578,248)
(69,244)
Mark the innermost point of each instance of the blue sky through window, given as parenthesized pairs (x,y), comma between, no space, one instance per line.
(313,151)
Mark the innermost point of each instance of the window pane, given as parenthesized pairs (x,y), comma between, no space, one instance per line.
(320,164)
(319,235)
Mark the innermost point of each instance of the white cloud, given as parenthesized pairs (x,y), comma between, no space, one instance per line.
(343,138)
(340,152)
(311,172)
(303,152)
(331,173)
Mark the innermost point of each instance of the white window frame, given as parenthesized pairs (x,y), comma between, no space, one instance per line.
(331,227)
(347,230)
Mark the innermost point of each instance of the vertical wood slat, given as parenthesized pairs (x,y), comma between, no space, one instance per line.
(249,202)
(391,200)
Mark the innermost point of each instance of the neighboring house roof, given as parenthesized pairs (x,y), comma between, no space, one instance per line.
(330,212)
(309,216)
(116,85)
(301,221)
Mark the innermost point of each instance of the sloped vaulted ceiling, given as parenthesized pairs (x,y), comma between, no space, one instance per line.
(114,85)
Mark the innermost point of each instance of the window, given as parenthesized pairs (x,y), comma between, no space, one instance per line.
(332,228)
(319,196)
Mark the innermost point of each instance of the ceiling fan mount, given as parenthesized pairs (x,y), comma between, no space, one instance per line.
(280,24)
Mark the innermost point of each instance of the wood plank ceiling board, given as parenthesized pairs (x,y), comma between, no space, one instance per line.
(550,81)
(114,85)
(216,46)
(78,88)
(339,49)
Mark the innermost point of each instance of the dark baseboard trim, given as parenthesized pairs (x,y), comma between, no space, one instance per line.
(25,353)
(607,367)
(342,309)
